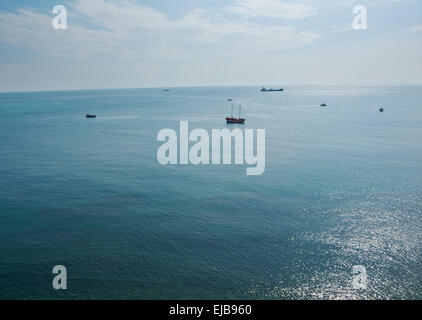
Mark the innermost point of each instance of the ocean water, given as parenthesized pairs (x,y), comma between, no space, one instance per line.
(342,187)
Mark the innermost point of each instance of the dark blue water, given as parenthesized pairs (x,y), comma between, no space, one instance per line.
(342,187)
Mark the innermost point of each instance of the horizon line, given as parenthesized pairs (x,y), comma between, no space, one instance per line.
(213,86)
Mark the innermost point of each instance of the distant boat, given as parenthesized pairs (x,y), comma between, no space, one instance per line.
(271,90)
(381,109)
(323,105)
(236,120)
(166,90)
(90,115)
(229,99)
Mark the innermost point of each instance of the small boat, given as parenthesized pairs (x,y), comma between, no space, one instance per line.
(323,105)
(271,90)
(381,109)
(166,90)
(236,120)
(229,99)
(90,115)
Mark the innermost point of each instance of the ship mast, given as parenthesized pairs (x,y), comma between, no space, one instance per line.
(240,109)
(232,110)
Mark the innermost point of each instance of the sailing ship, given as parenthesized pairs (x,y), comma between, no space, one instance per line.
(231,119)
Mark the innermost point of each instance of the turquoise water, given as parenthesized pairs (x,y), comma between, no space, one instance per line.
(342,187)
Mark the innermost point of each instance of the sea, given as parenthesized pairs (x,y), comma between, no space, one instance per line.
(337,213)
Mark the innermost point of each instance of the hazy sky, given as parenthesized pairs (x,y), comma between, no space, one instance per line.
(127,44)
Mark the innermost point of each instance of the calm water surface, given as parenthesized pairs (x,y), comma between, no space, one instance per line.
(342,187)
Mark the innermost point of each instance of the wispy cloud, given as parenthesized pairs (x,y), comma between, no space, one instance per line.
(416,28)
(344,28)
(128,30)
(274,9)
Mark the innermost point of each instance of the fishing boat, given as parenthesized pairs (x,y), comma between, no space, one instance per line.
(90,115)
(271,90)
(231,119)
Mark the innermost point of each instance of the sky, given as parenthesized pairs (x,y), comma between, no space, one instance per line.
(169,43)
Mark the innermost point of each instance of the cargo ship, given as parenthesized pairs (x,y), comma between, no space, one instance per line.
(271,90)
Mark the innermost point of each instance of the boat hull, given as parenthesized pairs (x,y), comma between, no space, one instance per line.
(234,120)
(272,90)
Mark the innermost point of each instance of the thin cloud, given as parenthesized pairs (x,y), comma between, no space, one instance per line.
(341,29)
(416,28)
(127,30)
(274,9)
